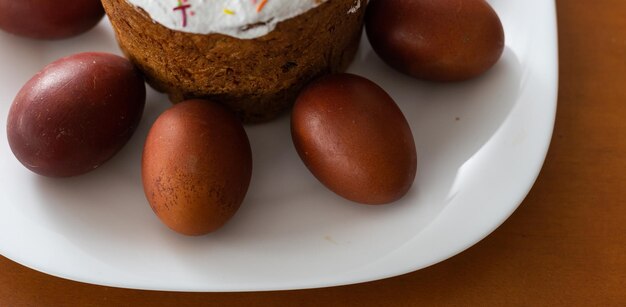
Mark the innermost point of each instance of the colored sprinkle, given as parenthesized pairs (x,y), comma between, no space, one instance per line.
(229,12)
(183,7)
(261,5)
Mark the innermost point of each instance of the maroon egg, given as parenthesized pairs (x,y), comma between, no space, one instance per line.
(75,114)
(49,19)
(443,40)
(196,166)
(353,137)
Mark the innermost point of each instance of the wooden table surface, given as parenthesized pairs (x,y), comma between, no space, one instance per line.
(565,245)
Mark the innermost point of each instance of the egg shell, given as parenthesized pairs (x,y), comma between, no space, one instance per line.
(353,137)
(196,167)
(443,40)
(49,19)
(76,114)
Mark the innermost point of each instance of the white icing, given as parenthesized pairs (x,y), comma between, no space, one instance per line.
(229,17)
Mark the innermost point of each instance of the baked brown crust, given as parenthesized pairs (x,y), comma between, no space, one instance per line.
(257,78)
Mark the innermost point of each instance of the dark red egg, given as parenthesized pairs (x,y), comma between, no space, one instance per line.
(76,114)
(438,40)
(353,137)
(196,166)
(49,19)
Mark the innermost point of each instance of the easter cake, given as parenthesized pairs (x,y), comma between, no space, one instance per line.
(252,55)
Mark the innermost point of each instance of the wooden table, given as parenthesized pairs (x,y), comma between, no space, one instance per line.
(565,245)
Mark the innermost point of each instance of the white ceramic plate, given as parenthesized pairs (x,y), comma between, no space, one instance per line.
(480,144)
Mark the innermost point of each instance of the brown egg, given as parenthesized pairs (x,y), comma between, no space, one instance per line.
(443,40)
(49,19)
(76,114)
(196,166)
(353,137)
